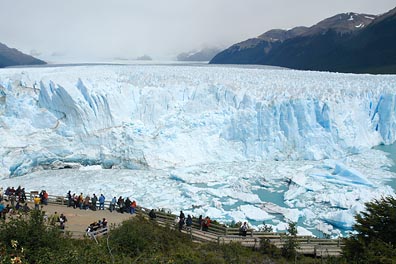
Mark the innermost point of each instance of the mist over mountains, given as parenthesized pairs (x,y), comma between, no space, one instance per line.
(349,42)
(205,54)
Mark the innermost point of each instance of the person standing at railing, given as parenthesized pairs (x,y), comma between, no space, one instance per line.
(244,229)
(206,224)
(37,202)
(101,201)
(94,201)
(22,197)
(152,214)
(86,202)
(121,204)
(181,220)
(12,199)
(44,197)
(133,207)
(189,222)
(80,201)
(11,191)
(127,205)
(113,204)
(69,198)
(18,192)
(75,200)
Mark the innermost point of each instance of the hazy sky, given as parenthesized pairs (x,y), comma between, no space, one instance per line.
(162,28)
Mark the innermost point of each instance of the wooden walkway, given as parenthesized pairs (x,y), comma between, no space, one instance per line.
(223,235)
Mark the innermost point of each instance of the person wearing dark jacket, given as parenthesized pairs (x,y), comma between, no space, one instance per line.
(152,214)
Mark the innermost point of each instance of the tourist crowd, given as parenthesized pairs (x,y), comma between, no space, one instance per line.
(17,197)
(98,203)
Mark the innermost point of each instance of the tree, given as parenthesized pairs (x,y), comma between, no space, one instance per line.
(291,244)
(375,238)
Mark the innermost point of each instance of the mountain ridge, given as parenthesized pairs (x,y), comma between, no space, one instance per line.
(339,43)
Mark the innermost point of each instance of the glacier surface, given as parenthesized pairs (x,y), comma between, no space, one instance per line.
(223,139)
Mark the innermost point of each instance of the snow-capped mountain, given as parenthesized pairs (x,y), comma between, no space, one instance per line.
(212,136)
(348,42)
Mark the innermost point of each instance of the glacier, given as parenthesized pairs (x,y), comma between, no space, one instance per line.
(224,139)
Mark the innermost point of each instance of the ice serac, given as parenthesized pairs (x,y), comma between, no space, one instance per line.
(140,117)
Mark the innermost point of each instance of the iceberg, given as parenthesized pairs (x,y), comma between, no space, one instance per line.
(341,219)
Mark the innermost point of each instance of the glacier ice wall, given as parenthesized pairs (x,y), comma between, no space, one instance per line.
(147,116)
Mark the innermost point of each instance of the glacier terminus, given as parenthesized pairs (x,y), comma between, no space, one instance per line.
(236,143)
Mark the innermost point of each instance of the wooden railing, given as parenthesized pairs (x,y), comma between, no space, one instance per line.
(99,232)
(220,234)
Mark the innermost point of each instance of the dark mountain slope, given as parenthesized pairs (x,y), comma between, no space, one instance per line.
(252,50)
(345,43)
(13,57)
(374,49)
(370,50)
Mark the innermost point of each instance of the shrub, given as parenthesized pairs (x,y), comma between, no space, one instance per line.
(375,238)
(291,244)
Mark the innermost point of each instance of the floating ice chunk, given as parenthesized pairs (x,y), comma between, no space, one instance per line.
(215,213)
(345,175)
(199,211)
(246,197)
(301,231)
(281,226)
(350,174)
(340,219)
(324,228)
(237,216)
(289,214)
(254,213)
(294,191)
